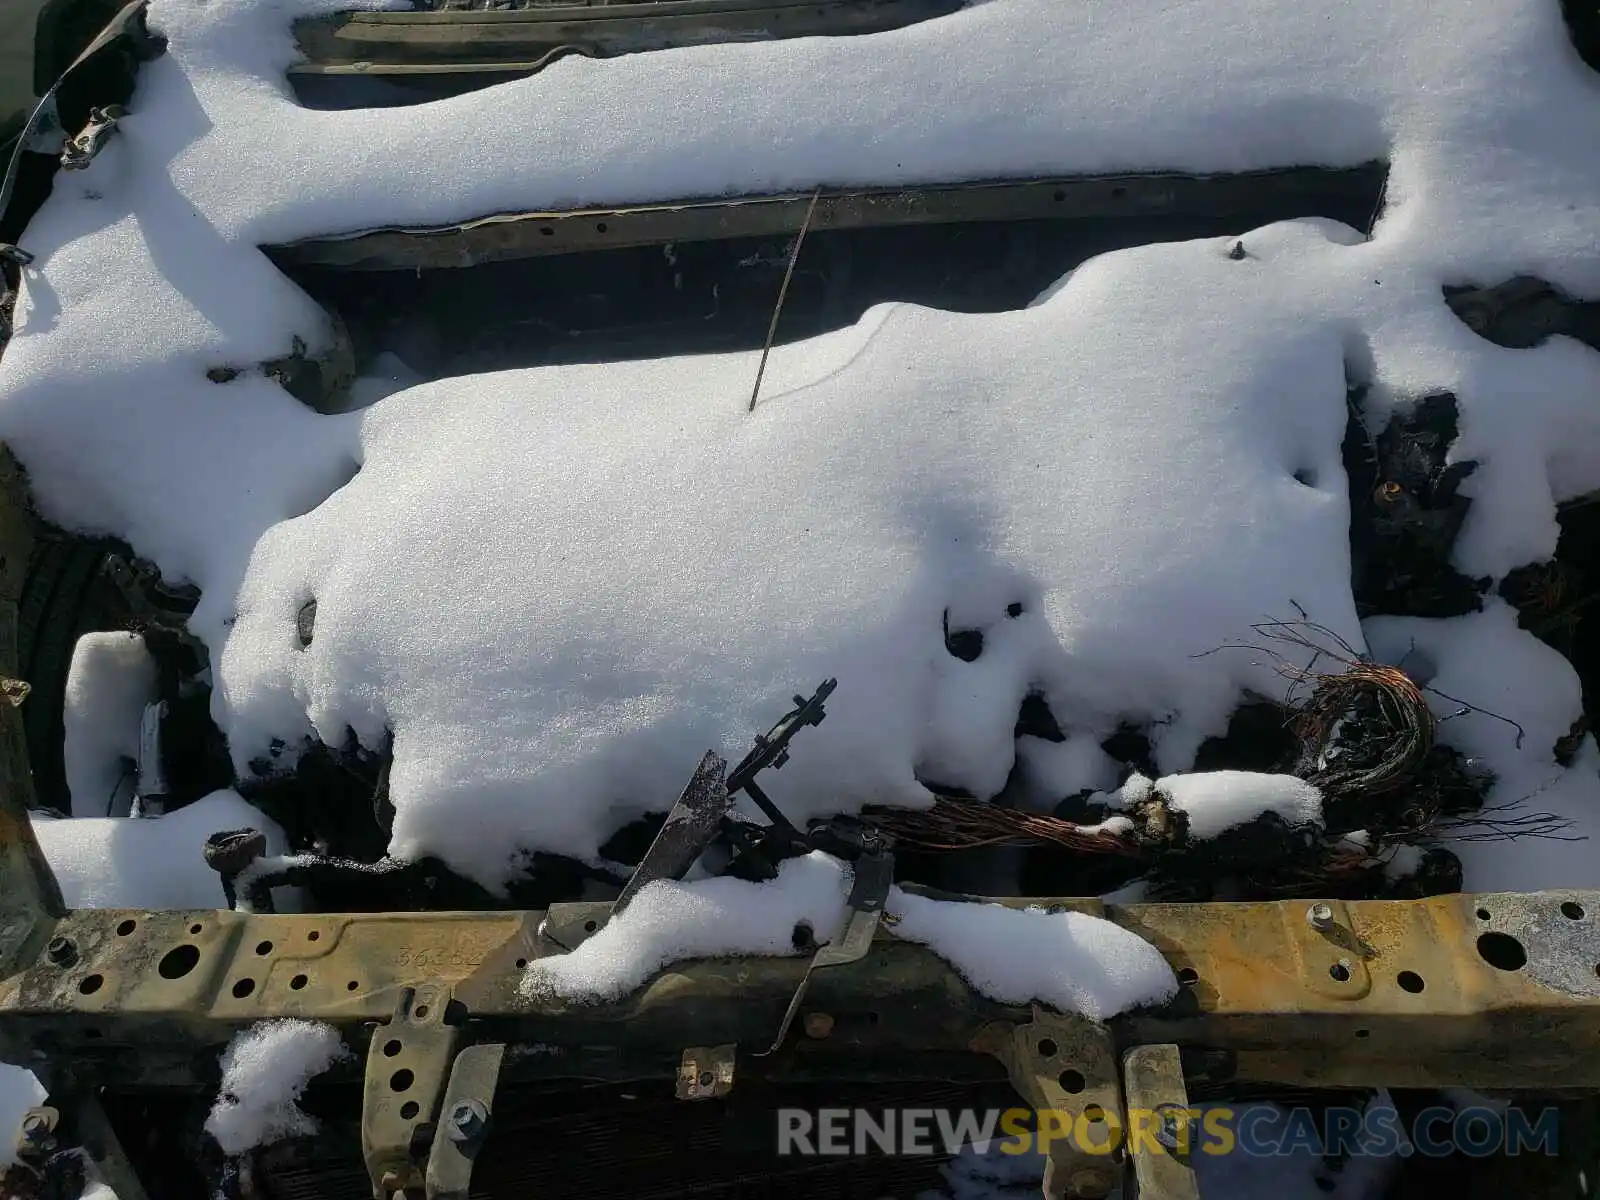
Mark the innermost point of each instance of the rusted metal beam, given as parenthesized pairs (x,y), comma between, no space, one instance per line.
(517,37)
(1489,991)
(1303,190)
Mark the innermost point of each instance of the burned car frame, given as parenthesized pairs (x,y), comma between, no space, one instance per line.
(1494,992)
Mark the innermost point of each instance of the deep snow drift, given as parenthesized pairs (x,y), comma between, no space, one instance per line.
(559,586)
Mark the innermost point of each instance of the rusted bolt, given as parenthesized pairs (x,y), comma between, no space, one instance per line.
(1320,917)
(230,852)
(818,1025)
(1236,253)
(707,1078)
(468,1120)
(61,951)
(1171,1128)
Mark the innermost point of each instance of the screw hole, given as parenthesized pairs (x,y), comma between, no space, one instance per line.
(546,231)
(1072,1082)
(352,985)
(1188,976)
(91,984)
(1483,914)
(127,927)
(1572,911)
(298,982)
(600,227)
(313,936)
(521,962)
(196,928)
(263,947)
(422,1011)
(1094,1114)
(178,962)
(243,988)
(401,1080)
(1340,972)
(1363,1033)
(1047,1048)
(409,1109)
(391,1048)
(590,926)
(1502,952)
(1410,981)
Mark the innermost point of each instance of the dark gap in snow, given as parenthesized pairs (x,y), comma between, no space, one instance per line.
(305,623)
(1583,26)
(1556,601)
(701,297)
(1406,510)
(1130,746)
(1034,719)
(965,644)
(1259,738)
(1524,312)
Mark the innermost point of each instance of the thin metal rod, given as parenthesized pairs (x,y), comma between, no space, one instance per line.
(783,291)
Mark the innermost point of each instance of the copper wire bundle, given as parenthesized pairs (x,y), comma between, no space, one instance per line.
(958,824)
(1396,716)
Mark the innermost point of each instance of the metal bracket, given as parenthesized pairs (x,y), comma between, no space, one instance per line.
(874,873)
(1065,1068)
(689,828)
(468,1107)
(706,1072)
(407,1065)
(1160,1124)
(82,147)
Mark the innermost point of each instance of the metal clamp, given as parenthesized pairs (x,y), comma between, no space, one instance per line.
(706,1072)
(468,1106)
(1160,1137)
(1065,1068)
(407,1065)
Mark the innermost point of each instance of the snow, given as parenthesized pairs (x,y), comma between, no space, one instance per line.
(150,862)
(558,587)
(265,1070)
(1216,801)
(1070,961)
(111,679)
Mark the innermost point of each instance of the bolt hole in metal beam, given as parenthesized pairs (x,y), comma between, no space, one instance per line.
(127,927)
(1502,951)
(91,984)
(702,276)
(243,988)
(1339,972)
(298,982)
(1072,1082)
(178,961)
(401,1080)
(1410,981)
(1572,910)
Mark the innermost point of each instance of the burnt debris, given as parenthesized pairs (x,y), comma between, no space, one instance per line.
(1406,510)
